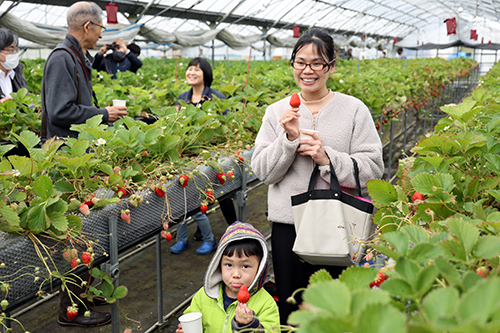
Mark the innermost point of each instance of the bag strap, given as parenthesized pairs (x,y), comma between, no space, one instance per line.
(334,182)
(43,130)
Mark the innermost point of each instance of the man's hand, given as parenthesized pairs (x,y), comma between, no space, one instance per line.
(103,49)
(122,46)
(116,112)
(5,98)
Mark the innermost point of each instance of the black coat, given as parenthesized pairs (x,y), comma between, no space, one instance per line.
(18,82)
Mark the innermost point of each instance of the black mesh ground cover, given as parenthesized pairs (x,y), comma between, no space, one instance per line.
(20,258)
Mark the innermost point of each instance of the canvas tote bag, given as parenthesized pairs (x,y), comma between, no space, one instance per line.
(330,223)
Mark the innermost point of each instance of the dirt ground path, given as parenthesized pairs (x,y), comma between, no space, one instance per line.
(182,277)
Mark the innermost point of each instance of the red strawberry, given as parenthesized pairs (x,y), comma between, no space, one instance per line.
(417,196)
(74,263)
(230,175)
(84,209)
(381,277)
(483,272)
(145,153)
(295,100)
(125,215)
(221,177)
(210,196)
(71,312)
(86,258)
(89,201)
(239,157)
(204,207)
(243,294)
(67,255)
(160,192)
(121,192)
(167,235)
(183,179)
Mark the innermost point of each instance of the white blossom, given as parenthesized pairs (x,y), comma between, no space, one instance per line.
(101,141)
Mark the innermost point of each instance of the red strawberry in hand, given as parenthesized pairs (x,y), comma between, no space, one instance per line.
(183,179)
(230,175)
(204,207)
(71,312)
(221,177)
(86,258)
(243,294)
(295,100)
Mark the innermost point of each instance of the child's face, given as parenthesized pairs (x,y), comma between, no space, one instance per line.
(237,272)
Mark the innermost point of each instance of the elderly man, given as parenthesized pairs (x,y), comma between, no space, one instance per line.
(67,98)
(67,94)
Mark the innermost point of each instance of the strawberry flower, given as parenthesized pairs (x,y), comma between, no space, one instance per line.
(100,141)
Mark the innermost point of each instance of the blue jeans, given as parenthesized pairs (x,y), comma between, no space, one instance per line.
(203,223)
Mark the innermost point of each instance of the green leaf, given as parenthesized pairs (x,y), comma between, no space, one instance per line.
(43,187)
(424,251)
(381,192)
(58,221)
(107,289)
(37,217)
(408,269)
(398,240)
(481,301)
(9,215)
(381,319)
(321,275)
(487,247)
(65,187)
(74,163)
(363,298)
(462,112)
(397,287)
(465,232)
(106,168)
(80,147)
(97,273)
(356,277)
(426,278)
(333,296)
(120,292)
(28,138)
(449,272)
(441,303)
(453,250)
(416,234)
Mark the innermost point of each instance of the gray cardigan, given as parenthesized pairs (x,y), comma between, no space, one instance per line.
(60,90)
(346,130)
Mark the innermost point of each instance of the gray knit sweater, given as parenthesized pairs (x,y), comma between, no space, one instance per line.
(346,130)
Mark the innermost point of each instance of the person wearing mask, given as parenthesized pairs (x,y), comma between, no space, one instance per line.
(11,72)
(345,130)
(116,57)
(67,94)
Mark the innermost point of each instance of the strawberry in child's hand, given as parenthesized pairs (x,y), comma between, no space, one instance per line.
(210,196)
(125,215)
(183,180)
(86,257)
(204,207)
(295,100)
(74,263)
(71,312)
(230,175)
(243,294)
(221,177)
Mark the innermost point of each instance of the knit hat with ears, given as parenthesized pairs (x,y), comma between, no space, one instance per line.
(236,231)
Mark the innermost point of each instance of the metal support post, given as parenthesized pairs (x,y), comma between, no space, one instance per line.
(389,162)
(113,269)
(241,197)
(159,279)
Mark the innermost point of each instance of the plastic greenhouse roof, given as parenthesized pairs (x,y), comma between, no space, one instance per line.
(376,18)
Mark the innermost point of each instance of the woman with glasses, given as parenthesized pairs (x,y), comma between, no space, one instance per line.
(11,72)
(345,130)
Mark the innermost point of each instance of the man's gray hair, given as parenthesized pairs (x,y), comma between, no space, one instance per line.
(82,12)
(7,37)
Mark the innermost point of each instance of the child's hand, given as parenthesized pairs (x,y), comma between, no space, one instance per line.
(244,315)
(179,329)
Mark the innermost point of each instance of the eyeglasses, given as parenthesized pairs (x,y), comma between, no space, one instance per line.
(102,27)
(11,50)
(315,66)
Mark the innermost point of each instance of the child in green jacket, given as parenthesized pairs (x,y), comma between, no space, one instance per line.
(241,259)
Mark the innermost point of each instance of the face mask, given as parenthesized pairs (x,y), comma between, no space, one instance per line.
(118,55)
(11,61)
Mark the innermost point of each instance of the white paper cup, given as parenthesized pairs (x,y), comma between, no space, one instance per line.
(119,102)
(191,322)
(303,136)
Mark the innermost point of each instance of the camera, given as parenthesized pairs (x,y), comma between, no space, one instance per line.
(112,46)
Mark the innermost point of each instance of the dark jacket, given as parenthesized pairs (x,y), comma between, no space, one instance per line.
(207,95)
(18,82)
(111,65)
(60,90)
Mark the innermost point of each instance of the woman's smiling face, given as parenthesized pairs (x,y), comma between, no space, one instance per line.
(194,75)
(311,82)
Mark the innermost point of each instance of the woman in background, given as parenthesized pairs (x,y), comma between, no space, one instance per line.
(11,72)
